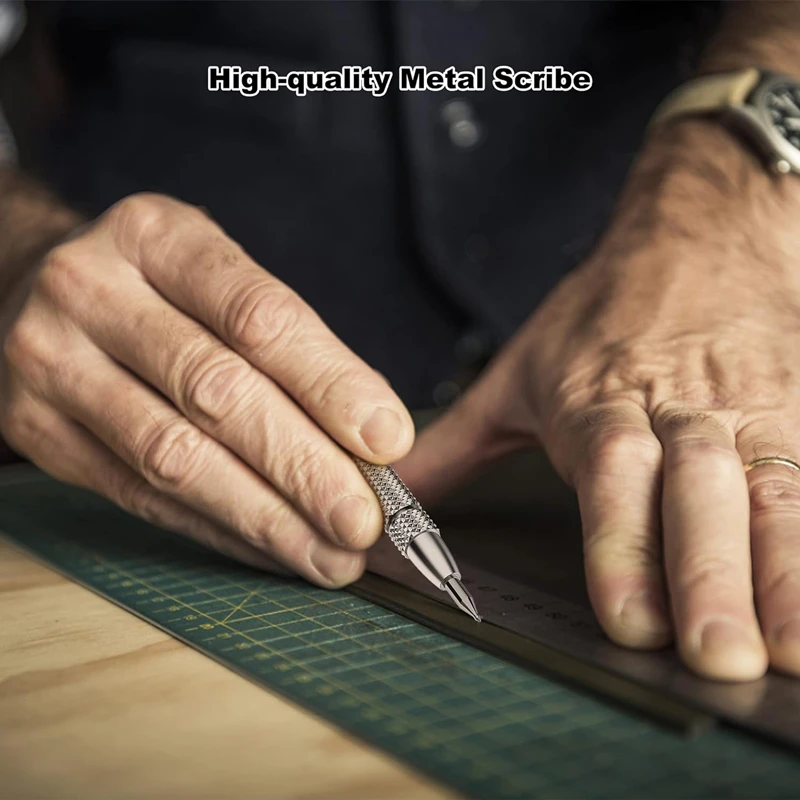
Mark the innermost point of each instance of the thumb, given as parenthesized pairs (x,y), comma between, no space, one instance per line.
(489,421)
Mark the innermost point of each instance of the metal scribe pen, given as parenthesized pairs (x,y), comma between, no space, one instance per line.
(415,535)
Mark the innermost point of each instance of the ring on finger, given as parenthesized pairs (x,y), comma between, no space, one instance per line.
(757,462)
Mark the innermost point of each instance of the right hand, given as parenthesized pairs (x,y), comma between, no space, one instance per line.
(152,361)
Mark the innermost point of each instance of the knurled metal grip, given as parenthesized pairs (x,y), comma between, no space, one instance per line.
(403,517)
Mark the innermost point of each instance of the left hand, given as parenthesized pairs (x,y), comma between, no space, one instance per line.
(651,376)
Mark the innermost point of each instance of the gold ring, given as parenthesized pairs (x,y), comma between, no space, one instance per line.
(774,460)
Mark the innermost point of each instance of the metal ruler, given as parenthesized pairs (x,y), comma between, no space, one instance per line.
(476,722)
(535,628)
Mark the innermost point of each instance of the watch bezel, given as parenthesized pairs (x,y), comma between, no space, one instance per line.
(784,155)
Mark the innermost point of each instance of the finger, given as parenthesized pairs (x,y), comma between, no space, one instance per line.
(477,430)
(203,272)
(71,454)
(613,458)
(179,460)
(445,455)
(237,405)
(705,512)
(775,534)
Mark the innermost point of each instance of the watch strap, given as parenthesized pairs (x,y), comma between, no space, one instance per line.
(707,94)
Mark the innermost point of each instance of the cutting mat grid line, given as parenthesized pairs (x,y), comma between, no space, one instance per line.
(302,636)
(435,700)
(486,727)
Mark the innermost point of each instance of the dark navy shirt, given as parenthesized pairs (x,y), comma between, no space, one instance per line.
(423,226)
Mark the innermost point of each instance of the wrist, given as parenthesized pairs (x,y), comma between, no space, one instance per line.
(696,180)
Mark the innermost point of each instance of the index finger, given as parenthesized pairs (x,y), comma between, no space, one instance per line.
(199,269)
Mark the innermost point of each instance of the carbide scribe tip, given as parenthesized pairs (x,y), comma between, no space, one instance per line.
(461,597)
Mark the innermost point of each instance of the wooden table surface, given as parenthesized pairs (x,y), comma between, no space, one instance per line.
(96,703)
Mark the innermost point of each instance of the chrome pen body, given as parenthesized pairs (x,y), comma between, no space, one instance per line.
(415,535)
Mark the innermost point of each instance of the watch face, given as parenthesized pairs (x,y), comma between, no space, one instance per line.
(782,104)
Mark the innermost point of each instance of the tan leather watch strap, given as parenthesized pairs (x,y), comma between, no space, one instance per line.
(707,94)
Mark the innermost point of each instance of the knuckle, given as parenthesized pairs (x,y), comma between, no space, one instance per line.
(136,497)
(300,468)
(145,216)
(615,449)
(324,388)
(139,209)
(214,387)
(706,572)
(21,344)
(773,492)
(678,420)
(63,276)
(26,347)
(690,449)
(608,547)
(168,455)
(267,529)
(784,581)
(263,318)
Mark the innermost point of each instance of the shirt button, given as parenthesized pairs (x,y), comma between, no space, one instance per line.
(445,393)
(473,346)
(464,129)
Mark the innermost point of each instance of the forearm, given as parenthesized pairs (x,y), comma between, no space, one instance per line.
(694,176)
(756,33)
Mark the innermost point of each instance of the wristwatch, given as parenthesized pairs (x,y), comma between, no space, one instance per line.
(763,106)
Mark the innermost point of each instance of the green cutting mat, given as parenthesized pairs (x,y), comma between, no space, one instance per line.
(472,721)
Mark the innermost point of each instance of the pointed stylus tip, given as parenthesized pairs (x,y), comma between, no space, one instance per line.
(461,597)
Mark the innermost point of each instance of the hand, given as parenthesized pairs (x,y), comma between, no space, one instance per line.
(651,376)
(153,362)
